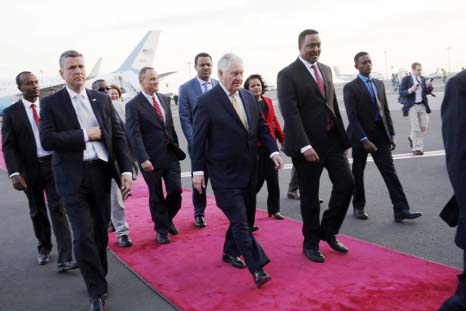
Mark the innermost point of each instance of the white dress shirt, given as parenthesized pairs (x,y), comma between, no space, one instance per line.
(418,92)
(94,149)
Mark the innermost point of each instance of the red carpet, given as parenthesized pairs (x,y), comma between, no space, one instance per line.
(190,273)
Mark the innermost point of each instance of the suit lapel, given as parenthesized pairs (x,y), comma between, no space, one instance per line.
(69,109)
(23,117)
(196,87)
(247,107)
(307,78)
(149,109)
(364,89)
(97,108)
(228,106)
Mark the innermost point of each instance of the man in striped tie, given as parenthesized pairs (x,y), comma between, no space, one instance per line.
(152,136)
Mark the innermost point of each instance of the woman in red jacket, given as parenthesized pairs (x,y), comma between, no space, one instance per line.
(265,167)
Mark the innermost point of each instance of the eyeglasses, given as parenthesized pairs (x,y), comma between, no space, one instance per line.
(103,89)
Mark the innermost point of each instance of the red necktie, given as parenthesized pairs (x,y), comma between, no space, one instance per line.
(35,114)
(157,108)
(320,82)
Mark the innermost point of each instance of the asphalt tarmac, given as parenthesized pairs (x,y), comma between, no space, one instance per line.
(26,286)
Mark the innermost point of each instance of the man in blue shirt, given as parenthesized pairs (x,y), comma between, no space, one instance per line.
(371,131)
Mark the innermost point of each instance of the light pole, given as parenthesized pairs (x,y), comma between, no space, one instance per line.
(386,65)
(189,68)
(448,53)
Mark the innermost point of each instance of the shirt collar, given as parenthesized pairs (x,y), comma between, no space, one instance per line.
(28,104)
(364,78)
(201,82)
(306,63)
(226,91)
(73,94)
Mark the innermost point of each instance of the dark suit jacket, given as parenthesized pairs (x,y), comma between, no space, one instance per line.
(188,94)
(60,132)
(149,137)
(221,142)
(361,111)
(453,128)
(305,110)
(408,100)
(18,143)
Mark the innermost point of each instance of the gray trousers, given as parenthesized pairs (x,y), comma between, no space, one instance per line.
(118,214)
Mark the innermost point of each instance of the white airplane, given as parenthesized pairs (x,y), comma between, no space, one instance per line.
(126,76)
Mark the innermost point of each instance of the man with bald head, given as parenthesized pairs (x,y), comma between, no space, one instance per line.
(153,138)
(30,169)
(227,126)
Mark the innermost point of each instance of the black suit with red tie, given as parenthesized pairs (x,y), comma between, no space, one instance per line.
(313,118)
(155,139)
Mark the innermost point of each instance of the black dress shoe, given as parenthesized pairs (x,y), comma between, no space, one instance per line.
(293,195)
(360,213)
(199,221)
(405,214)
(336,245)
(234,261)
(67,265)
(172,229)
(254,229)
(313,254)
(124,241)
(43,259)
(162,238)
(96,304)
(277,215)
(261,277)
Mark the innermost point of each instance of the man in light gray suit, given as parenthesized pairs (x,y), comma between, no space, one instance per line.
(188,95)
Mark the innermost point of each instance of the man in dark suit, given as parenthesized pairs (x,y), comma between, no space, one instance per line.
(413,95)
(30,169)
(227,125)
(89,149)
(315,139)
(152,136)
(188,94)
(371,131)
(453,128)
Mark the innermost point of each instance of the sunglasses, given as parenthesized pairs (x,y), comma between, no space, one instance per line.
(103,89)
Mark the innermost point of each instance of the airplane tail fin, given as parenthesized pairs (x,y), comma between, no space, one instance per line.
(143,54)
(95,69)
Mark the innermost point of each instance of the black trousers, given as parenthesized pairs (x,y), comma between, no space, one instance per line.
(163,209)
(457,302)
(266,172)
(200,199)
(39,217)
(384,162)
(239,239)
(309,173)
(294,183)
(89,214)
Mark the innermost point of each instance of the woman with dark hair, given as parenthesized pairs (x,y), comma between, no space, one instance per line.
(265,168)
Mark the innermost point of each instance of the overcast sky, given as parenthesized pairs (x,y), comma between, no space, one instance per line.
(263,33)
